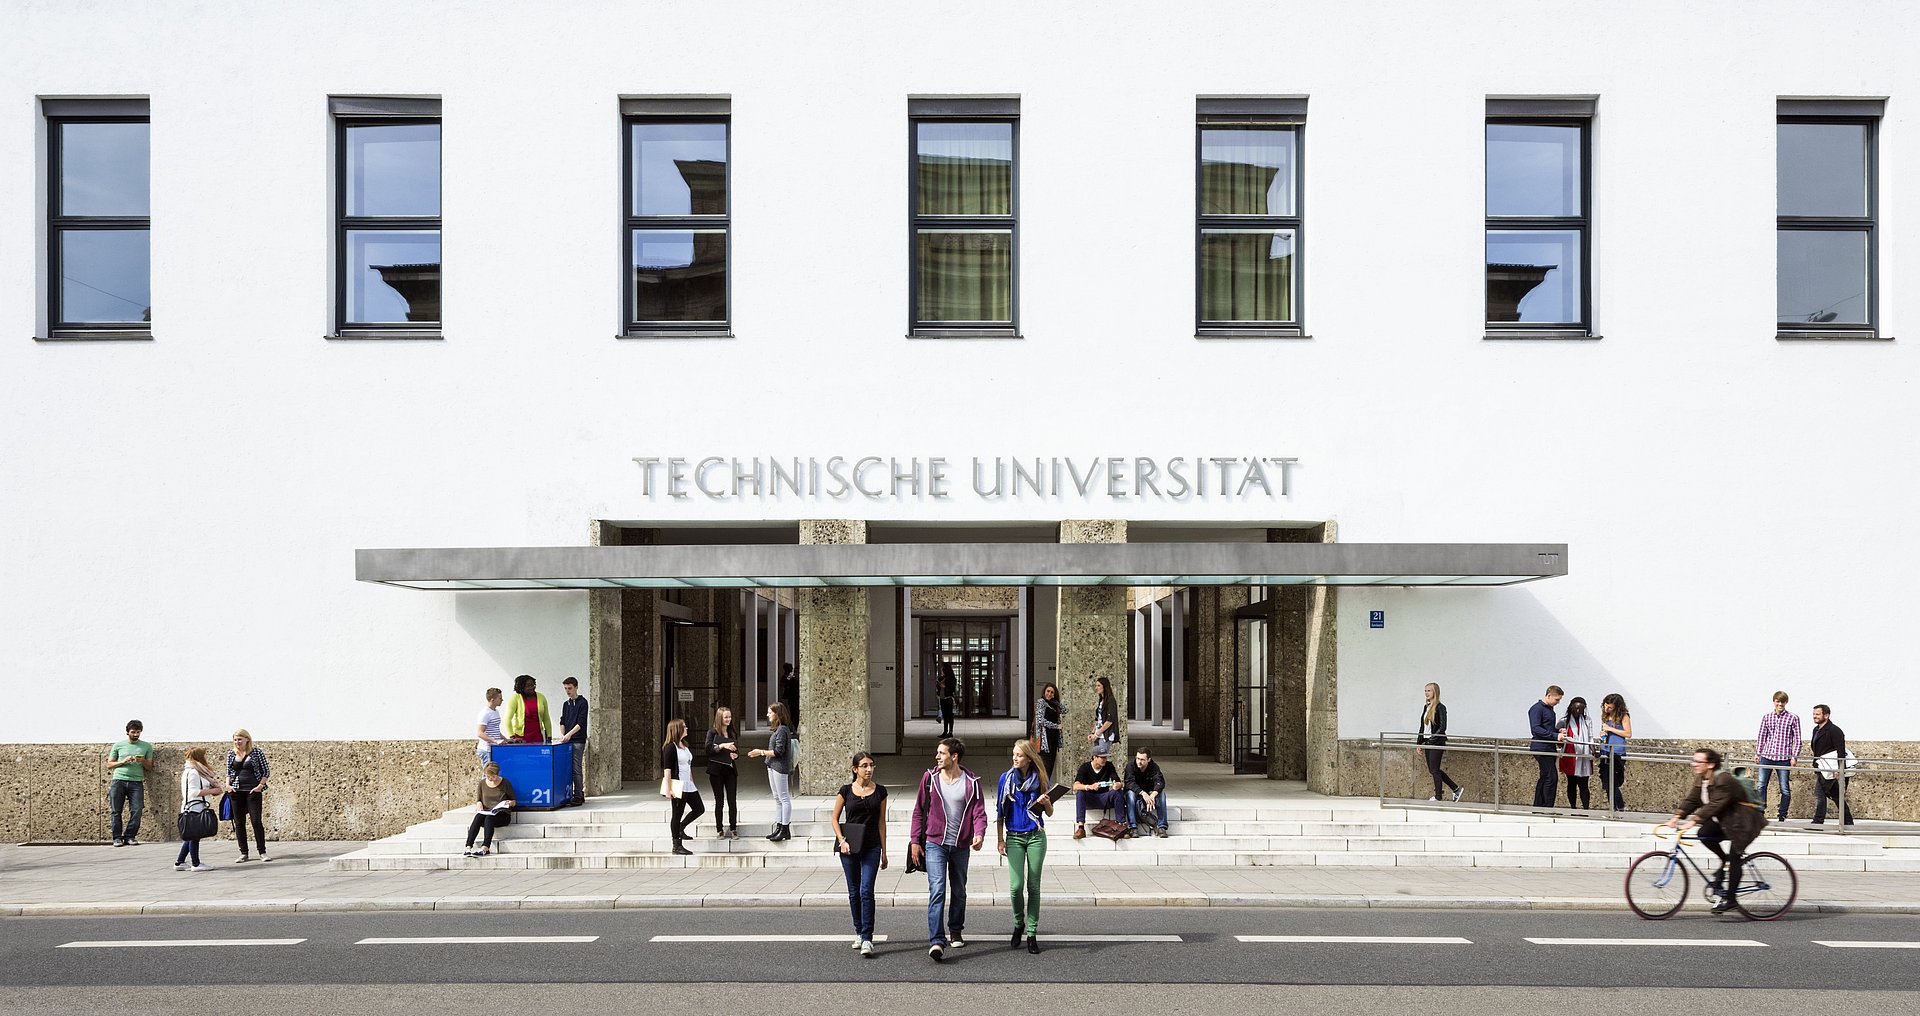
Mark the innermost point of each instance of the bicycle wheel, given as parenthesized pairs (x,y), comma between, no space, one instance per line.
(1768,887)
(1656,885)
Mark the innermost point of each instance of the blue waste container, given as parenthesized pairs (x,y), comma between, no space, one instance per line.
(541,774)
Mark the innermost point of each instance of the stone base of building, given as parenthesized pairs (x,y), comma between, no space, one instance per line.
(1646,786)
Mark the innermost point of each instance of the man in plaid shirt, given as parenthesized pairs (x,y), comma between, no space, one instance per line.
(1776,750)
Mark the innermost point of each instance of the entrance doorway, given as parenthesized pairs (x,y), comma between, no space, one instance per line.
(1250,747)
(977,649)
(690,680)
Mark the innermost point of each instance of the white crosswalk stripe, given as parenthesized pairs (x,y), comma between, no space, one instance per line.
(684,939)
(1707,943)
(482,940)
(1867,945)
(163,943)
(1110,938)
(1356,939)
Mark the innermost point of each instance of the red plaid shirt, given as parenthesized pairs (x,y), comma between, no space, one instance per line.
(1779,736)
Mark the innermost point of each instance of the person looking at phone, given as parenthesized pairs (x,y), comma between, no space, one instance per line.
(1098,785)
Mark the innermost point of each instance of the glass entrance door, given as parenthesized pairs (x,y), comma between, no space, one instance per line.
(1250,747)
(977,649)
(691,676)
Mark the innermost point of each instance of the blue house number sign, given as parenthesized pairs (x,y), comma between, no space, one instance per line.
(1376,619)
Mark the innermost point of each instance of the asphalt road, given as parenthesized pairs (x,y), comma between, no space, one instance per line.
(1684,953)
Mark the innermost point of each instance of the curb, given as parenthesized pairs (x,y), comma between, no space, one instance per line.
(398,904)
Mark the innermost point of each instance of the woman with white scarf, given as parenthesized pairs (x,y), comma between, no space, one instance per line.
(1576,738)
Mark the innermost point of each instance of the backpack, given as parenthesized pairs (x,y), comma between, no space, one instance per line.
(1741,776)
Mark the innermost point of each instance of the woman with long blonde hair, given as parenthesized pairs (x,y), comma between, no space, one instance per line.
(197,784)
(1433,731)
(247,774)
(1022,831)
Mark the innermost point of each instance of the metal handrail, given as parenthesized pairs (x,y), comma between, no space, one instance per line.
(1856,767)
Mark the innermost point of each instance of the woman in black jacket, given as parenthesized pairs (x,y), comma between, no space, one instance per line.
(676,773)
(723,751)
(1433,731)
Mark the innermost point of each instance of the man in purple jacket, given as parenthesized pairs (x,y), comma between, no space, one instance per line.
(948,812)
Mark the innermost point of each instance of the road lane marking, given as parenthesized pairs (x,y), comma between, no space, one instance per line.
(156,943)
(1868,945)
(686,939)
(1705,942)
(1114,938)
(1356,939)
(482,940)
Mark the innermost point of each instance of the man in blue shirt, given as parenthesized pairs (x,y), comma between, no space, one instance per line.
(573,730)
(1545,746)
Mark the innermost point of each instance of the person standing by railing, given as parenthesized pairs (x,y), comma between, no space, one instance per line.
(1433,733)
(1545,746)
(1830,743)
(1775,751)
(1577,764)
(1616,726)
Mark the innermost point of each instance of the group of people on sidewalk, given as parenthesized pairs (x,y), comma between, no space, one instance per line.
(240,795)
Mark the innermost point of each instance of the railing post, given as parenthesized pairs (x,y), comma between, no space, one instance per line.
(1840,774)
(1496,776)
(1382,759)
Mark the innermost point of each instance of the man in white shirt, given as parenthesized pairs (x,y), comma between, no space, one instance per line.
(487,727)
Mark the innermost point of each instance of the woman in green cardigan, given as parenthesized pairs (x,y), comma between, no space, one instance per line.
(525,715)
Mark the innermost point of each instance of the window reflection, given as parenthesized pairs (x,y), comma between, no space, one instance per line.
(1246,275)
(965,168)
(104,276)
(1246,171)
(1823,277)
(104,168)
(393,276)
(1822,168)
(680,275)
(965,275)
(1533,169)
(1533,276)
(679,168)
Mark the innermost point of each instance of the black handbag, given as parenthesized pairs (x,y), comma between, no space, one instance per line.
(199,823)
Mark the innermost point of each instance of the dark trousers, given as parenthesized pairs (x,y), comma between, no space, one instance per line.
(1439,775)
(1613,771)
(1577,787)
(726,795)
(133,792)
(1830,791)
(1545,788)
(1716,840)
(188,848)
(1112,800)
(686,809)
(1047,755)
(946,718)
(484,820)
(246,803)
(580,771)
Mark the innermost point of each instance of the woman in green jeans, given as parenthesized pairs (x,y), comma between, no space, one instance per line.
(1022,830)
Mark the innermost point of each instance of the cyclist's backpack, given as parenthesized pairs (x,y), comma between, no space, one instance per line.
(1741,775)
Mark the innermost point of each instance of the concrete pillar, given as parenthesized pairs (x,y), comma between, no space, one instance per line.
(835,720)
(1206,669)
(1092,642)
(1178,604)
(1303,660)
(642,722)
(605,678)
(1156,665)
(1228,601)
(1323,700)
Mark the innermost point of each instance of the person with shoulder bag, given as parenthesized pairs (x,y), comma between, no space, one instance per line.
(676,781)
(197,820)
(779,756)
(860,839)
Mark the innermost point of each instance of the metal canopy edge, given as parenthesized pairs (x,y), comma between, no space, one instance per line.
(987,564)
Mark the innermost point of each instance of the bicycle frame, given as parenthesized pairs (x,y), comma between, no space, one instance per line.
(1679,853)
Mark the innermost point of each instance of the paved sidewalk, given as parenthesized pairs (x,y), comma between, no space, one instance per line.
(141,880)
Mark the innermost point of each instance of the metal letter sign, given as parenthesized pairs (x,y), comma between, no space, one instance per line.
(1376,619)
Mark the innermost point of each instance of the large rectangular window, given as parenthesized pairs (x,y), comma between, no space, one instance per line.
(1826,218)
(98,253)
(387,201)
(1248,235)
(1539,167)
(677,223)
(964,195)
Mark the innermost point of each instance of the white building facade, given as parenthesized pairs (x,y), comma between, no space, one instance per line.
(306,342)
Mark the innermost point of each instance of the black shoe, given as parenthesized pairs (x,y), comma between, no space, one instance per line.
(775,835)
(1033,944)
(1725,904)
(681,849)
(1018,934)
(936,952)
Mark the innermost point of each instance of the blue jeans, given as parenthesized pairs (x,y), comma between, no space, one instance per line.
(188,848)
(861,869)
(1112,800)
(946,867)
(1137,807)
(1774,770)
(134,792)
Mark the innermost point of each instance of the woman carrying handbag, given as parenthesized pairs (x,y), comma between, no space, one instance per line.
(197,821)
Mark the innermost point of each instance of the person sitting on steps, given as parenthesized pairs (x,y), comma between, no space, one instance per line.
(1098,785)
(1146,794)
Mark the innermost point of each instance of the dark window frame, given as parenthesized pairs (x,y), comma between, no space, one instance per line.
(1295,327)
(631,223)
(960,111)
(1582,224)
(1868,224)
(407,114)
(58,223)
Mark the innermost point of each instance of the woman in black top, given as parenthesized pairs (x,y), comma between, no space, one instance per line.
(676,767)
(946,688)
(723,750)
(1433,731)
(1106,715)
(860,837)
(1046,724)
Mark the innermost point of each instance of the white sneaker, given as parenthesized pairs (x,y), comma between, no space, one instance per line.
(182,866)
(866,949)
(203,867)
(1457,791)
(1433,799)
(858,941)
(955,942)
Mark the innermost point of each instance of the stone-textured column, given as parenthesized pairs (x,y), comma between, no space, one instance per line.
(1092,643)
(642,719)
(1292,607)
(1323,702)
(605,674)
(834,715)
(1232,598)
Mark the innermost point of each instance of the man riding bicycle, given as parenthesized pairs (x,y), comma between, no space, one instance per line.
(1719,806)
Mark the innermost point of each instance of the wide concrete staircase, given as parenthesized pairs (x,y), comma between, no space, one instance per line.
(1282,825)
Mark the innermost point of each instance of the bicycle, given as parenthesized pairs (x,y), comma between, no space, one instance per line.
(1657,883)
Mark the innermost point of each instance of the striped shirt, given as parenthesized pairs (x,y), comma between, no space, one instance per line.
(259,760)
(1779,736)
